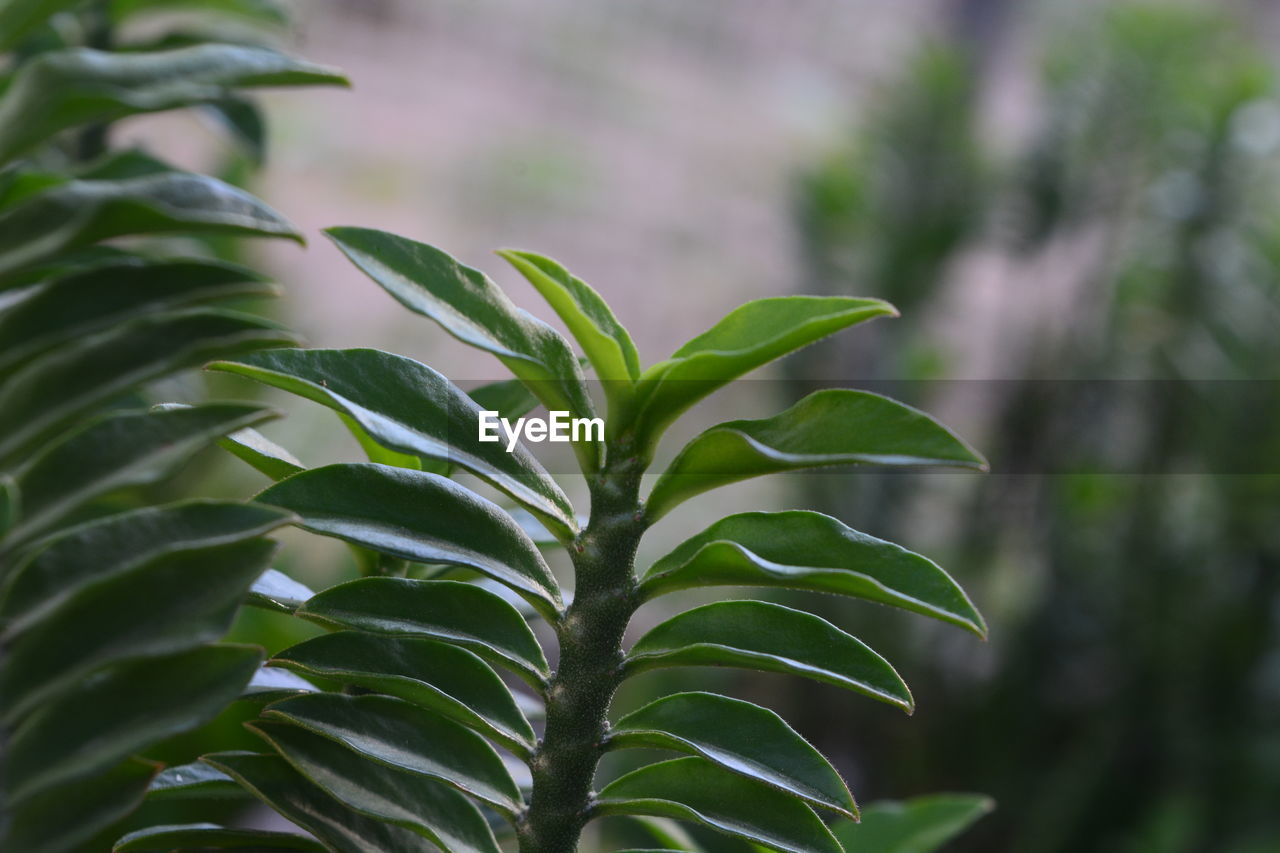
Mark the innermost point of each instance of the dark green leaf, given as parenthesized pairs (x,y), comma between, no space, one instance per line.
(920,825)
(271,684)
(262,454)
(740,737)
(447,679)
(409,407)
(210,836)
(811,551)
(695,789)
(403,798)
(277,591)
(397,734)
(509,398)
(276,783)
(20,17)
(770,637)
(456,612)
(474,310)
(832,427)
(197,781)
(381,508)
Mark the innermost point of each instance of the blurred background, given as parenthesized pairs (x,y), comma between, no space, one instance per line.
(1075,206)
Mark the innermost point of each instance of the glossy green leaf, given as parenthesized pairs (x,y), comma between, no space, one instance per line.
(919,825)
(79,213)
(409,407)
(105,548)
(751,335)
(588,317)
(401,797)
(275,590)
(86,301)
(770,637)
(210,836)
(381,508)
(697,790)
(832,427)
(811,551)
(262,454)
(42,824)
(447,679)
(56,390)
(475,311)
(195,781)
(119,451)
(62,89)
(740,737)
(456,612)
(398,734)
(379,453)
(172,603)
(271,684)
(279,785)
(133,706)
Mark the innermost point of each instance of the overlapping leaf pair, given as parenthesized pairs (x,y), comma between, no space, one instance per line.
(423,741)
(110,626)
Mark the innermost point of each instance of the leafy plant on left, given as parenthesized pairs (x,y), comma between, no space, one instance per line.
(109,623)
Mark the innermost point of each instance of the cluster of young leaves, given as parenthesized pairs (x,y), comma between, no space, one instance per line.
(109,623)
(395,731)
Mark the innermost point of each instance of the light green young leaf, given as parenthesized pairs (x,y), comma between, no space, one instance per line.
(444,678)
(919,825)
(474,310)
(695,789)
(832,427)
(740,737)
(395,733)
(400,797)
(381,508)
(773,638)
(209,837)
(408,407)
(452,611)
(811,551)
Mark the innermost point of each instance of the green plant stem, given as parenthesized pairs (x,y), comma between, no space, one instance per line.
(591,655)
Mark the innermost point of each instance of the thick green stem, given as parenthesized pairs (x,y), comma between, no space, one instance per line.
(590,655)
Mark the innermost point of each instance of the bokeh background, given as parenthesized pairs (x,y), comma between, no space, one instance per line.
(1075,205)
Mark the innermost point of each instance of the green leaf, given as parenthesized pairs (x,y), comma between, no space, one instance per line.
(397,734)
(275,590)
(210,836)
(20,17)
(133,706)
(376,452)
(86,301)
(475,311)
(456,612)
(10,508)
(63,89)
(172,603)
(380,507)
(811,551)
(271,684)
(79,213)
(444,678)
(98,550)
(751,335)
(509,398)
(42,824)
(56,390)
(769,637)
(695,789)
(262,454)
(919,825)
(244,121)
(195,781)
(832,427)
(403,798)
(740,737)
(275,782)
(119,451)
(607,344)
(409,407)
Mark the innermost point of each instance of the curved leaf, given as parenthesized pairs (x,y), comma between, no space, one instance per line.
(195,781)
(509,398)
(456,612)
(52,392)
(811,551)
(919,825)
(210,836)
(397,734)
(262,454)
(275,590)
(474,310)
(275,782)
(381,507)
(695,789)
(832,427)
(409,407)
(403,798)
(773,638)
(271,684)
(447,679)
(740,737)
